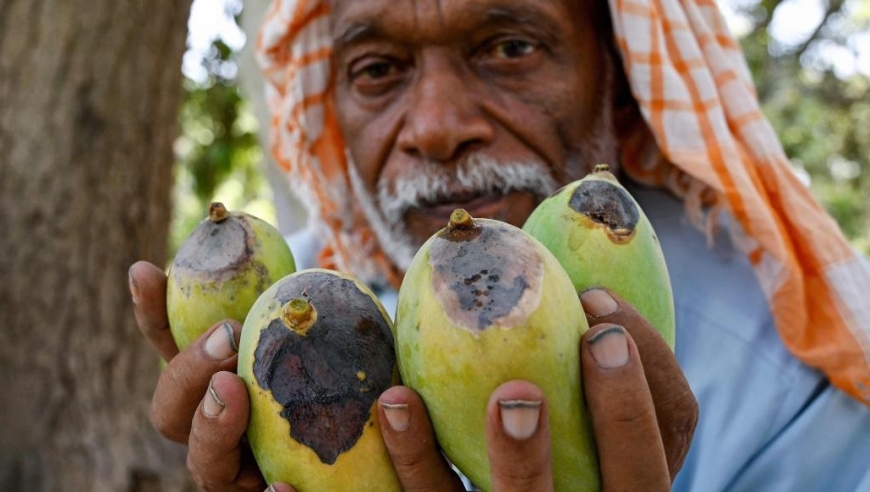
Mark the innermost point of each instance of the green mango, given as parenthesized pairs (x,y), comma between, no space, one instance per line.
(602,238)
(222,267)
(481,304)
(316,353)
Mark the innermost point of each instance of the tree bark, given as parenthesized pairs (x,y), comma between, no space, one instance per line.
(89,95)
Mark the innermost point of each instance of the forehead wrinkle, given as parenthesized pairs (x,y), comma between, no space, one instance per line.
(349,25)
(469,17)
(354,33)
(478,15)
(520,16)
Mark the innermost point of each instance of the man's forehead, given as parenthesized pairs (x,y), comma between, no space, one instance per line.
(350,18)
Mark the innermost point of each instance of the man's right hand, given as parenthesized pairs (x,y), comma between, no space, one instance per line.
(198,401)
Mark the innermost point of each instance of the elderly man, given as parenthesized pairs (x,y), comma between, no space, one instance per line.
(389,114)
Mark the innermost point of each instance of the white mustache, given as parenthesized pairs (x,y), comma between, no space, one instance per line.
(477,175)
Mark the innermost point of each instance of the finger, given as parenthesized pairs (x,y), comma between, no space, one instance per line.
(627,436)
(216,459)
(185,379)
(148,292)
(676,406)
(518,438)
(411,443)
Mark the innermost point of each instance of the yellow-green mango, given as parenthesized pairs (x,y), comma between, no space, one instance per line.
(222,267)
(602,238)
(316,353)
(483,303)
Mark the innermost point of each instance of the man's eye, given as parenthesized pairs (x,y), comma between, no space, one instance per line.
(374,71)
(375,77)
(513,48)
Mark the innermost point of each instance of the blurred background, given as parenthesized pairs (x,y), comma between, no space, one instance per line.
(810,60)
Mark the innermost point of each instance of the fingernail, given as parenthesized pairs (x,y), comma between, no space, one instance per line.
(398,415)
(222,342)
(598,303)
(609,347)
(519,418)
(212,406)
(134,286)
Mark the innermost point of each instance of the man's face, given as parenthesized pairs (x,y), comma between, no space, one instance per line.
(488,105)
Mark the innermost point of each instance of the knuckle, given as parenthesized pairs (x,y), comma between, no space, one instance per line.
(633,415)
(683,413)
(164,426)
(201,481)
(678,428)
(408,459)
(165,414)
(184,377)
(523,476)
(205,436)
(179,375)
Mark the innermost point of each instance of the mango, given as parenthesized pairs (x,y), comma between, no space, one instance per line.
(223,266)
(316,353)
(602,238)
(483,303)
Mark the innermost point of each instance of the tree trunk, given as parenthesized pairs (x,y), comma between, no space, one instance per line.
(89,95)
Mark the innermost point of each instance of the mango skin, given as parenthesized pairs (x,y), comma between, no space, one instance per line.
(632,267)
(220,270)
(455,369)
(280,457)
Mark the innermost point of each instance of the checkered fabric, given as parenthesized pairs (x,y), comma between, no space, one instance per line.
(698,132)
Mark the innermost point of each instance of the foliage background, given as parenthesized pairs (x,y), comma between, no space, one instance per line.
(810,60)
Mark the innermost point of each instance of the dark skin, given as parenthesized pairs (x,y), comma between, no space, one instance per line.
(644,412)
(431,81)
(434,81)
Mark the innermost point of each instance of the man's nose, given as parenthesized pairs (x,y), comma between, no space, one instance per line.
(444,117)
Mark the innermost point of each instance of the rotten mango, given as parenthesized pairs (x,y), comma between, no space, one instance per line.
(222,267)
(602,238)
(484,303)
(316,353)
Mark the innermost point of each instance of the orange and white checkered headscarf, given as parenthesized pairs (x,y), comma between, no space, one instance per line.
(701,133)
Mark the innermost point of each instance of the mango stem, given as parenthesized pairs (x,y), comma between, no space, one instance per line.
(217,212)
(299,315)
(460,219)
(599,168)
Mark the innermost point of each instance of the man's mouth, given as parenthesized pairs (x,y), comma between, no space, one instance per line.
(478,205)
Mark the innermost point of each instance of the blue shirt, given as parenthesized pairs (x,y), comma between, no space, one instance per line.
(768,422)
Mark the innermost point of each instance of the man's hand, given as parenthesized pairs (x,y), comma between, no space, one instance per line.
(643,414)
(198,400)
(675,407)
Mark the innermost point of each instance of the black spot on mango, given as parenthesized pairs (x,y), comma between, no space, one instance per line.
(607,204)
(317,352)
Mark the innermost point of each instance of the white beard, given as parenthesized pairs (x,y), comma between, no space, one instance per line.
(478,174)
(394,239)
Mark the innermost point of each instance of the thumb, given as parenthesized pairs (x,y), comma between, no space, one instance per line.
(630,449)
